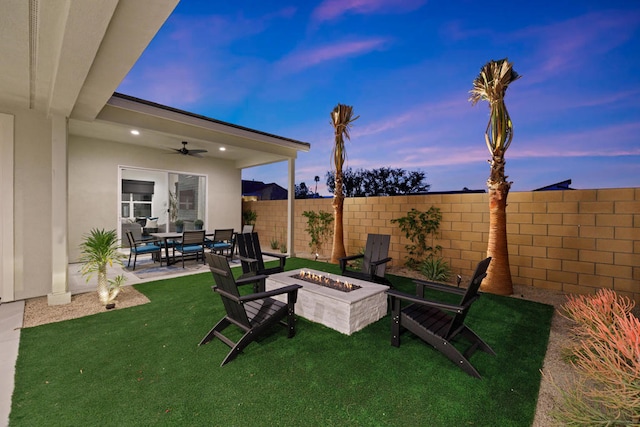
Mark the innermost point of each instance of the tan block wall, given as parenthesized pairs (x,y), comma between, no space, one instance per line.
(574,241)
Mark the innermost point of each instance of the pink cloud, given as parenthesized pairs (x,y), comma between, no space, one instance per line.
(303,59)
(333,9)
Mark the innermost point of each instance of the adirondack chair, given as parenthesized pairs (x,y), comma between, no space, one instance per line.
(253,313)
(374,260)
(439,323)
(251,256)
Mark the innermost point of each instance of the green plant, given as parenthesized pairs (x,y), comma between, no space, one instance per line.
(179,223)
(606,355)
(421,228)
(434,268)
(283,248)
(99,249)
(249,217)
(198,223)
(319,228)
(274,242)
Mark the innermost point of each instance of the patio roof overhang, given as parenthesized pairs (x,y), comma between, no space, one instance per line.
(67,58)
(164,128)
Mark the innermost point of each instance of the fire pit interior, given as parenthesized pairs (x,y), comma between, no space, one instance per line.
(318,279)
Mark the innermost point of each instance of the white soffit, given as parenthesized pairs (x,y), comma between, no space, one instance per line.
(64,56)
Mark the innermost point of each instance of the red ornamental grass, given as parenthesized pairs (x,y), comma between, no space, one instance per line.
(607,357)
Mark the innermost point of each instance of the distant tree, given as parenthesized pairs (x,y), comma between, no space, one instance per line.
(302,191)
(491,86)
(379,182)
(316,179)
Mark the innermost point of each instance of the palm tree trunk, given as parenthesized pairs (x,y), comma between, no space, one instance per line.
(498,280)
(103,285)
(338,250)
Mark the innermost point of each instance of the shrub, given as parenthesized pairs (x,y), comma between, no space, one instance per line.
(421,228)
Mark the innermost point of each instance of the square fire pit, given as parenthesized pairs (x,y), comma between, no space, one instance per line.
(346,312)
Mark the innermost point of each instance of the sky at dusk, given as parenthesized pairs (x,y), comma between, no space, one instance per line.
(406,67)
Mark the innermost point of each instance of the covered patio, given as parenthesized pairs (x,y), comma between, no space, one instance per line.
(66,137)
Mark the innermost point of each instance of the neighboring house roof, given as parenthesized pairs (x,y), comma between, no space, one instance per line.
(262,191)
(563,185)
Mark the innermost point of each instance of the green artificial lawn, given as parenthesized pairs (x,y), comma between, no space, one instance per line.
(142,366)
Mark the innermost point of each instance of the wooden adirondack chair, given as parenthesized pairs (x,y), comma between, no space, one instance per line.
(374,260)
(439,323)
(253,313)
(251,256)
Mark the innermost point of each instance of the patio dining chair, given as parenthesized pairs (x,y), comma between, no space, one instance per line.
(141,248)
(223,241)
(192,243)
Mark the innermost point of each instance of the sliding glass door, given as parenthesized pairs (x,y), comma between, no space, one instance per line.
(157,199)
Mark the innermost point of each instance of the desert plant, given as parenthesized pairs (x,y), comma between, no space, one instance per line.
(434,268)
(99,249)
(319,229)
(606,355)
(283,248)
(421,228)
(491,86)
(275,243)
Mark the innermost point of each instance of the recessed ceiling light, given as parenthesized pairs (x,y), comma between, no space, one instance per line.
(135,132)
(222,149)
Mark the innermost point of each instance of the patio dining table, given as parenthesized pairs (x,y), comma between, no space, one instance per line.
(171,235)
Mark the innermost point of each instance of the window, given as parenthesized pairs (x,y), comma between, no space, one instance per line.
(137,198)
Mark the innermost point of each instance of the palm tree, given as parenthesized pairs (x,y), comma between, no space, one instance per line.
(491,86)
(316,179)
(341,120)
(100,248)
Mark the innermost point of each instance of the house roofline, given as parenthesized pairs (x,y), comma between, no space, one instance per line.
(305,145)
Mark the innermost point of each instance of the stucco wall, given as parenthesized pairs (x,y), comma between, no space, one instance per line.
(575,241)
(93,184)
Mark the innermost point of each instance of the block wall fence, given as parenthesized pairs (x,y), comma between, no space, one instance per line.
(575,241)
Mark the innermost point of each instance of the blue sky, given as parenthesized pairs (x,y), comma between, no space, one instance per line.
(406,67)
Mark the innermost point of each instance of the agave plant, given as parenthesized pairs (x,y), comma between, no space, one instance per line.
(341,120)
(99,249)
(491,86)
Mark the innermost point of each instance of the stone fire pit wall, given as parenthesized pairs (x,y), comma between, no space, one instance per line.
(346,312)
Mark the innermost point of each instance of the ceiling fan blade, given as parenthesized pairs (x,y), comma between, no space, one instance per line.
(197,151)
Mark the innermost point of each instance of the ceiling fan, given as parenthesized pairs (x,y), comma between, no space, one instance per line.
(186,152)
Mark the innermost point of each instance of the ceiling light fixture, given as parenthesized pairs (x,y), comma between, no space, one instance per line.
(135,132)
(222,149)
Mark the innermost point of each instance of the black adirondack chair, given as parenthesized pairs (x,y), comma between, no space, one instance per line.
(251,256)
(439,323)
(253,313)
(374,260)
